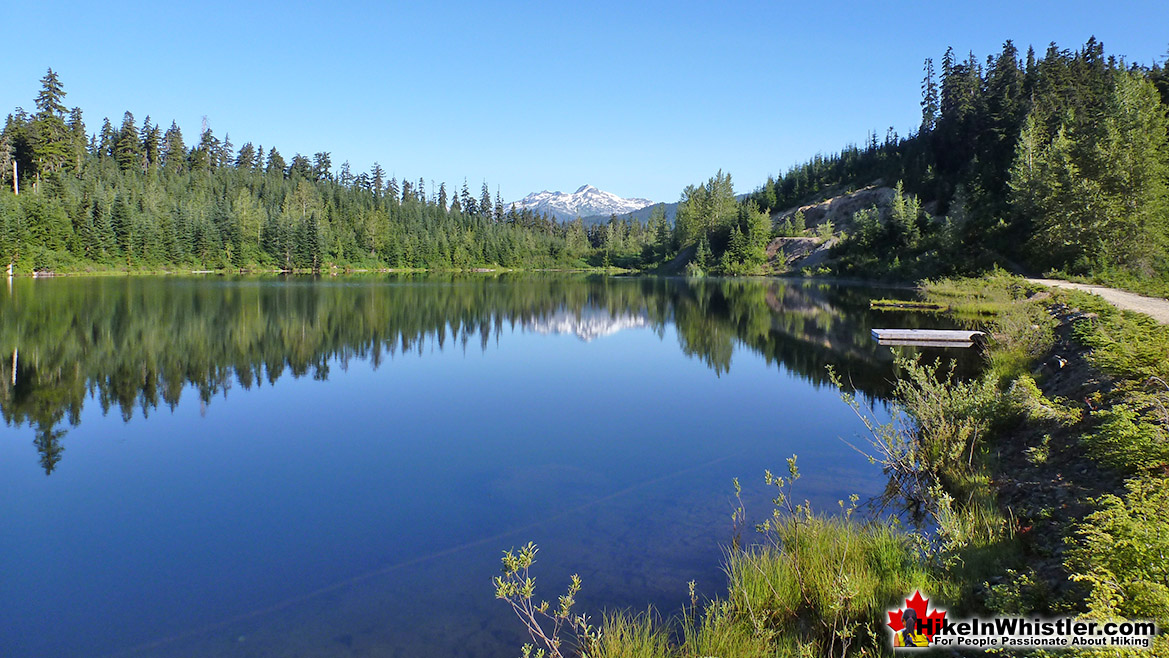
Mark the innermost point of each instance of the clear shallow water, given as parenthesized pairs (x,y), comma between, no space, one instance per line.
(331,467)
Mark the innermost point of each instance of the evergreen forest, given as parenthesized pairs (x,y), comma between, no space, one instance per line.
(1053,163)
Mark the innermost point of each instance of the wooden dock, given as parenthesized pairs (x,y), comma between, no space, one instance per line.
(927,337)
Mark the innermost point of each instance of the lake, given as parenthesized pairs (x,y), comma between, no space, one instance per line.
(297,466)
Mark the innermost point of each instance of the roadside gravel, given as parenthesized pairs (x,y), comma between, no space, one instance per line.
(1154,307)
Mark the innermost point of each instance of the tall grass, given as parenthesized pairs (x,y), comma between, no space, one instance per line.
(825,585)
(819,585)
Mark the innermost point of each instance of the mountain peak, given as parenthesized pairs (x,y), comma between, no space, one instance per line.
(585,202)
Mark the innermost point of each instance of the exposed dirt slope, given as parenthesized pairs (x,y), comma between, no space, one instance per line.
(786,254)
(840,209)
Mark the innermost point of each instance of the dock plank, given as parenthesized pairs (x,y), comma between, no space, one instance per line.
(927,337)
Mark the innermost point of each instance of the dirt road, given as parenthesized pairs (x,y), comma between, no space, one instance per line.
(1154,307)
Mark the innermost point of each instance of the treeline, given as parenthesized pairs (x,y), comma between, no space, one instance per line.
(1059,162)
(137,196)
(1055,162)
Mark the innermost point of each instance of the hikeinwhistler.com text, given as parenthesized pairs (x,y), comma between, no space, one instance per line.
(1015,632)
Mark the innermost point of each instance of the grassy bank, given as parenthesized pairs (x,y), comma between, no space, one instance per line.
(1045,483)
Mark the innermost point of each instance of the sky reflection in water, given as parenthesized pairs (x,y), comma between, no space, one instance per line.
(332,467)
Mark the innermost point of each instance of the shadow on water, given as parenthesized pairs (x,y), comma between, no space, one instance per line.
(136,343)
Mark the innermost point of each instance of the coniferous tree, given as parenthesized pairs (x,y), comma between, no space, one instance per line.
(151,147)
(322,166)
(275,163)
(127,149)
(485,206)
(77,141)
(246,157)
(377,177)
(174,152)
(50,137)
(300,168)
(929,97)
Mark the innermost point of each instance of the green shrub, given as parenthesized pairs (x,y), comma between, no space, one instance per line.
(952,416)
(1028,400)
(1017,593)
(1123,553)
(1124,344)
(1023,332)
(1127,441)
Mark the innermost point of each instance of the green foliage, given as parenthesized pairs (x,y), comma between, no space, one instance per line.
(949,421)
(1124,343)
(952,417)
(1017,593)
(623,635)
(1123,553)
(1059,161)
(1099,190)
(989,294)
(1024,395)
(707,210)
(827,587)
(1128,440)
(821,583)
(793,226)
(138,199)
(544,623)
(825,230)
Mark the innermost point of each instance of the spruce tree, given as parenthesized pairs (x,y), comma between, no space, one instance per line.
(485,201)
(275,165)
(127,149)
(77,141)
(50,137)
(174,152)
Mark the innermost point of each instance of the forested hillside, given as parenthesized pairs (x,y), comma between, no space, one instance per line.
(137,196)
(1055,162)
(1059,162)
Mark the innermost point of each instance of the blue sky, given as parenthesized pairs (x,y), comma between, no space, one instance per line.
(639,99)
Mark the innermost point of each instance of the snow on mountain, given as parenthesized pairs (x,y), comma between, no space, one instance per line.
(586,201)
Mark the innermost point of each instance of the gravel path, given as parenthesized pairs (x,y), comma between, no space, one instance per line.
(1154,307)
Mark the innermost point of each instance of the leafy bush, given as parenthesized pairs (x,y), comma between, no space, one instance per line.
(1125,344)
(1127,441)
(1029,401)
(952,416)
(1123,554)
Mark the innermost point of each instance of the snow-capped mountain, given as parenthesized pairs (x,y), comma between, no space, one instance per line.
(585,202)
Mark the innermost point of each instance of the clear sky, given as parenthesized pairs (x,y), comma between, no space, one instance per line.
(639,99)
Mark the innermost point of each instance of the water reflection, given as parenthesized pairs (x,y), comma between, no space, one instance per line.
(136,343)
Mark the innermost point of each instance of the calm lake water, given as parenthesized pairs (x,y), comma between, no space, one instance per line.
(332,467)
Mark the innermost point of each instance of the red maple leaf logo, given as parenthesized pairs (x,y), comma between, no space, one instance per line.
(928,623)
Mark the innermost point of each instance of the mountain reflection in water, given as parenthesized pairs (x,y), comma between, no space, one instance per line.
(137,342)
(330,466)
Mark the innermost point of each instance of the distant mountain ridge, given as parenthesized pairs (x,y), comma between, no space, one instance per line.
(587,201)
